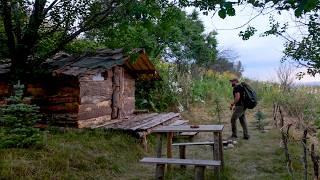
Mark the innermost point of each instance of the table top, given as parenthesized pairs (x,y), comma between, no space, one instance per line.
(187,128)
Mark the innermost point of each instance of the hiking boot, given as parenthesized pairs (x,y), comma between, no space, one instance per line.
(233,137)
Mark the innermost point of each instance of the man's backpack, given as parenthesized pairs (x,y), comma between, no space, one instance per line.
(250,97)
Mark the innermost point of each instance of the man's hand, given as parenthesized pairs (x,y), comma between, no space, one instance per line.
(231,106)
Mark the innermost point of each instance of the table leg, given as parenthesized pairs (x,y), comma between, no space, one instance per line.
(221,150)
(216,152)
(159,145)
(182,155)
(159,167)
(169,148)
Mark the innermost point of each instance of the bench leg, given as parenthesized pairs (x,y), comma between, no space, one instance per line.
(159,172)
(199,172)
(216,153)
(182,154)
(169,149)
(159,145)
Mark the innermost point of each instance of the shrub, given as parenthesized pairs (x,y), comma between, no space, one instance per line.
(260,116)
(17,120)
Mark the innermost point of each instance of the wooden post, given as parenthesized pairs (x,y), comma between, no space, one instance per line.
(221,149)
(169,148)
(199,172)
(159,145)
(216,153)
(145,142)
(182,154)
(159,167)
(159,172)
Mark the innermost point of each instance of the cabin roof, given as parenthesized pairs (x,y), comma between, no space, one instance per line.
(141,68)
(137,63)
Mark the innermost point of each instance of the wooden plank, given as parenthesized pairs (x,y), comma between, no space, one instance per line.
(197,143)
(187,128)
(93,99)
(127,124)
(199,172)
(93,121)
(193,143)
(188,134)
(216,152)
(182,155)
(178,122)
(107,123)
(161,118)
(194,162)
(169,148)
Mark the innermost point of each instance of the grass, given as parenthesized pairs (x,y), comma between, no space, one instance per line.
(97,154)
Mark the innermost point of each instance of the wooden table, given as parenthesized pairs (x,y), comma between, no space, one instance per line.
(169,130)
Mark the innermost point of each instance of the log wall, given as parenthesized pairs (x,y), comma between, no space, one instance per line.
(128,94)
(58,98)
(95,99)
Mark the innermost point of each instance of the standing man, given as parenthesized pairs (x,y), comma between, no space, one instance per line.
(238,109)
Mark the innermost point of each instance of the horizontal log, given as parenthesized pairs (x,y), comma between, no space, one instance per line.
(93,121)
(96,88)
(61,108)
(88,111)
(93,99)
(64,117)
(51,100)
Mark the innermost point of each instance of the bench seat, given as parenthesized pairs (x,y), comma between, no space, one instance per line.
(181,161)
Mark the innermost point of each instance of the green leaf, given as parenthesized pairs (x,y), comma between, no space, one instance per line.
(231,12)
(222,13)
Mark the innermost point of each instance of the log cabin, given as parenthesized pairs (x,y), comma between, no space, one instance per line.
(87,90)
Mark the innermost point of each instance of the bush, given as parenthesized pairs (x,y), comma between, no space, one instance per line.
(17,120)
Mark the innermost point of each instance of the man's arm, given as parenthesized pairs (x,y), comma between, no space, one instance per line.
(236,99)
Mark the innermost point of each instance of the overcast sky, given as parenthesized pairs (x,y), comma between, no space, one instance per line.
(259,55)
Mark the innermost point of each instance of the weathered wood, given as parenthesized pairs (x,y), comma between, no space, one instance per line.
(187,128)
(169,148)
(93,99)
(194,143)
(116,93)
(159,146)
(178,122)
(96,88)
(157,120)
(221,150)
(194,162)
(199,172)
(145,142)
(87,111)
(159,175)
(93,121)
(216,152)
(182,155)
(128,105)
(112,121)
(188,134)
(127,124)
(60,108)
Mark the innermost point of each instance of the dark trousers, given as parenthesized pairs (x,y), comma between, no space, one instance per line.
(239,113)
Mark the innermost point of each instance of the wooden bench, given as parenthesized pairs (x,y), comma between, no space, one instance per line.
(182,147)
(200,165)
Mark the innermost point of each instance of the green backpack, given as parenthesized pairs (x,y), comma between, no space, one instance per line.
(250,97)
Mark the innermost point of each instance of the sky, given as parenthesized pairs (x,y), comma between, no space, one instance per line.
(260,55)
